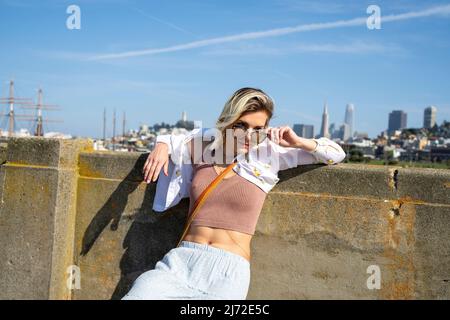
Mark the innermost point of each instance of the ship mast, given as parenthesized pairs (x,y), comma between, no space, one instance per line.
(39,118)
(11,101)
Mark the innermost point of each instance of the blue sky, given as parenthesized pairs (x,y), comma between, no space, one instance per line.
(154,59)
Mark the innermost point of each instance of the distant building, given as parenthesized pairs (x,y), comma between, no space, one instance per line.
(184,123)
(361,135)
(143,129)
(324,128)
(349,119)
(429,117)
(304,130)
(58,135)
(397,121)
(332,129)
(344,132)
(335,133)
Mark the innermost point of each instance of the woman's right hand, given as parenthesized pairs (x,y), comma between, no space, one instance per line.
(157,159)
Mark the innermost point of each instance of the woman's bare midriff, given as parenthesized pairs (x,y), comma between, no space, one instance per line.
(216,237)
(220,238)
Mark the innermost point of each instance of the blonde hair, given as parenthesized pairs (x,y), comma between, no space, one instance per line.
(243,101)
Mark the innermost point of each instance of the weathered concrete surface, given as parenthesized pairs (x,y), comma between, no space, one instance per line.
(320,229)
(336,221)
(119,218)
(37,217)
(3,150)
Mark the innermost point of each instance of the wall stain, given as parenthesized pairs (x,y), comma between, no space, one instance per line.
(398,279)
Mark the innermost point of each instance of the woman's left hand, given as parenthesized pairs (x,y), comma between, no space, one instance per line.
(284,136)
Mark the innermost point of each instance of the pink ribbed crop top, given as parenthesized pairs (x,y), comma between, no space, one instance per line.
(235,203)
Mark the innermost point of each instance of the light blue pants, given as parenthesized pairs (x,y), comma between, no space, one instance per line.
(194,271)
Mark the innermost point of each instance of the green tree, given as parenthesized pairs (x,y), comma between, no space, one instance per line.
(356,155)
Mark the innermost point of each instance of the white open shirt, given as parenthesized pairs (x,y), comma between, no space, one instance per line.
(261,168)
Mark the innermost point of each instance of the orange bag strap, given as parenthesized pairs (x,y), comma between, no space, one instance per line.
(202,197)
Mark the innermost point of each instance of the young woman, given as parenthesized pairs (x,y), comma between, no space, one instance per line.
(213,260)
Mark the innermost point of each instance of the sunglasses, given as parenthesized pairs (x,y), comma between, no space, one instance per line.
(256,135)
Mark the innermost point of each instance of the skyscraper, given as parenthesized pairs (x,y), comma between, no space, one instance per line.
(349,111)
(429,117)
(304,130)
(324,127)
(331,129)
(344,132)
(397,121)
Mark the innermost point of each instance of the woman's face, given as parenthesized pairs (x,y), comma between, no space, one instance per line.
(251,120)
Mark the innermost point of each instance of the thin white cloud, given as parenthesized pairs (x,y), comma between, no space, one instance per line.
(355,47)
(169,24)
(433,11)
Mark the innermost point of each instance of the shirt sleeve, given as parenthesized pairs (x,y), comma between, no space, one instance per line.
(165,138)
(326,151)
(174,141)
(175,186)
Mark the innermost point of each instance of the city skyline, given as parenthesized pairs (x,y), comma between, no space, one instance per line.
(397,120)
(376,70)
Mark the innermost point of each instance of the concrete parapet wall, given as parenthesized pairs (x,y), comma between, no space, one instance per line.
(320,229)
(3,150)
(38,184)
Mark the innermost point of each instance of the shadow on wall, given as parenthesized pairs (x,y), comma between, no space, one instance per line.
(149,237)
